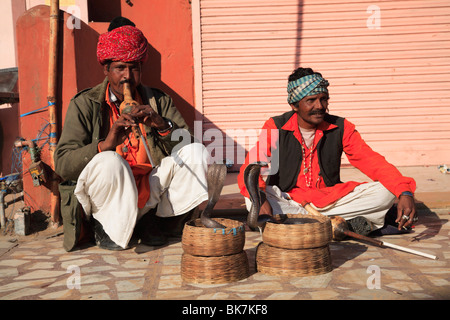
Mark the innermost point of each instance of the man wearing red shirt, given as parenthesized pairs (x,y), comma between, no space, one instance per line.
(304,149)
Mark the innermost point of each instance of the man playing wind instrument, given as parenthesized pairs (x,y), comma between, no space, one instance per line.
(107,174)
(308,150)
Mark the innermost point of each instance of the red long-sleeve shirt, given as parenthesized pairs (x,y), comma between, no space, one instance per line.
(359,154)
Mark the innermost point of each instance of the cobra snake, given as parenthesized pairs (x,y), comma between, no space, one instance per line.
(257,197)
(215,178)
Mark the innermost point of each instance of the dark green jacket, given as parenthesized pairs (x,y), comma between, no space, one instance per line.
(86,124)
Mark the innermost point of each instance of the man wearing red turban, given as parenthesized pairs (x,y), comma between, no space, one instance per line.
(107,175)
(125,43)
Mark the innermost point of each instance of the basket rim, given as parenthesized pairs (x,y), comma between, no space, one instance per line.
(321,219)
(191,223)
(240,227)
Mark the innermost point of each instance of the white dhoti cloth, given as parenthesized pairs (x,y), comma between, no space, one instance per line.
(106,189)
(370,200)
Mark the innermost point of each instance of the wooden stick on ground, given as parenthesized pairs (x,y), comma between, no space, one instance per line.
(340,229)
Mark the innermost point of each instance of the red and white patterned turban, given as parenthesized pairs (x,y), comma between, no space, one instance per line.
(126,43)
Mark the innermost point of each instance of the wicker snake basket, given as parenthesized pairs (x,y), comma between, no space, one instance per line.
(287,262)
(213,270)
(311,232)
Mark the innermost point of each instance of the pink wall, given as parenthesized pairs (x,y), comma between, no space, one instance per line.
(387,63)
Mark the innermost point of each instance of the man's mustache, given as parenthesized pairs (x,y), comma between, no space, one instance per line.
(317,112)
(125,81)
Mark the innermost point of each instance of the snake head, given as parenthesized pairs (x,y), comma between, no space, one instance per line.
(254,167)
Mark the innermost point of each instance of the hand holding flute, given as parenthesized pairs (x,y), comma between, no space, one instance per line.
(131,114)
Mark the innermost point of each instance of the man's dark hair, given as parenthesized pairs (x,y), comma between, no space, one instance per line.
(108,64)
(301,72)
(120,22)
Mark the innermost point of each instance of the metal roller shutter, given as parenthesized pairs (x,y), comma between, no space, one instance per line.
(388,68)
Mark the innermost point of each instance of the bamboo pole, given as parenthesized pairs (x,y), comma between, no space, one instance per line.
(51,98)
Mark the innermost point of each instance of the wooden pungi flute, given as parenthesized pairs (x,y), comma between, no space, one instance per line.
(126,107)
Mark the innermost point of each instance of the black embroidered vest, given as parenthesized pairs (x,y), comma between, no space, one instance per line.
(329,150)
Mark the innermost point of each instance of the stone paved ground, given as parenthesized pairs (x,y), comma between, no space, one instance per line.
(37,267)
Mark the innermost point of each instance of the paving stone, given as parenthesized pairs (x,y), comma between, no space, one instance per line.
(421,296)
(404,286)
(256,286)
(12,262)
(66,257)
(324,295)
(136,263)
(93,288)
(246,296)
(177,294)
(22,293)
(18,285)
(8,272)
(58,251)
(264,277)
(38,257)
(169,282)
(172,260)
(130,295)
(96,269)
(77,262)
(394,274)
(439,282)
(84,279)
(96,296)
(207,285)
(437,271)
(214,296)
(110,260)
(22,253)
(128,273)
(419,245)
(63,294)
(129,285)
(356,277)
(382,263)
(42,265)
(171,269)
(374,294)
(39,274)
(171,251)
(319,281)
(7,243)
(286,295)
(428,262)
